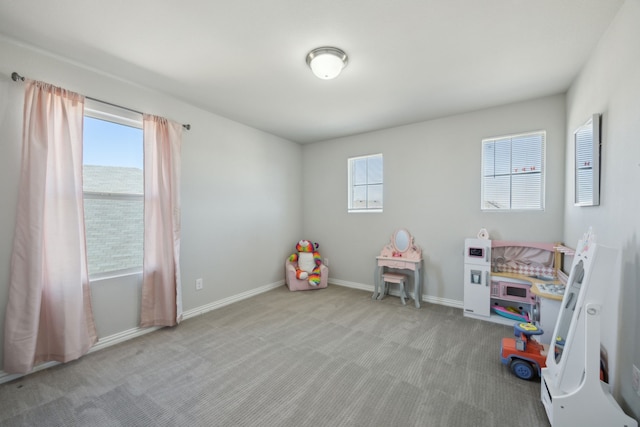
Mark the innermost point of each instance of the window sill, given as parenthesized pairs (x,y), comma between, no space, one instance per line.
(514,210)
(115,274)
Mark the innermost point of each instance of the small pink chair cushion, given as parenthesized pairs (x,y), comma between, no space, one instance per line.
(303,285)
(394,278)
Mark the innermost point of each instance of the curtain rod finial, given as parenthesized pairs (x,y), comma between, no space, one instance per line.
(15,77)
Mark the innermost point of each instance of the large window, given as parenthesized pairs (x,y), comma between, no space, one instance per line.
(365,183)
(513,172)
(113,189)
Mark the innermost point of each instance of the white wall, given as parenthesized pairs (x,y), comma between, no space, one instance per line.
(432,188)
(609,84)
(238,201)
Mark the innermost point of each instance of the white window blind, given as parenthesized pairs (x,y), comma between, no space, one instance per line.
(513,172)
(584,164)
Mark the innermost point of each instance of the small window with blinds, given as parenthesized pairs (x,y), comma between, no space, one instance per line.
(513,172)
(365,182)
(587,163)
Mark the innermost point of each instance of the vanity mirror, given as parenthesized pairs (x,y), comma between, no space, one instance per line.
(402,240)
(401,245)
(587,162)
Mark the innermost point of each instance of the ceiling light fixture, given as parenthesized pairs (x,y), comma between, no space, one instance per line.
(327,62)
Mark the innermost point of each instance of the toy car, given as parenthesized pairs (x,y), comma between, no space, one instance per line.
(523,354)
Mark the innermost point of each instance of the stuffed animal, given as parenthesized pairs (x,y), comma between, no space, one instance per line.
(309,261)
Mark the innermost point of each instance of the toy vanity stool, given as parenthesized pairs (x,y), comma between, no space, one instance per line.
(400,279)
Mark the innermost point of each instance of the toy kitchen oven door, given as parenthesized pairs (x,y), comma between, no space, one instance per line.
(477,278)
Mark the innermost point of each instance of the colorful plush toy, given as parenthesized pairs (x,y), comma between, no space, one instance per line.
(309,261)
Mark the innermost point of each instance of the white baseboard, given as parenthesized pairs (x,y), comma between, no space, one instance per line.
(5,377)
(426,298)
(121,336)
(443,301)
(136,332)
(226,301)
(354,285)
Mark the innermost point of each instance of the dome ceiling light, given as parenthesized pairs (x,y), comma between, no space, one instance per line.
(327,62)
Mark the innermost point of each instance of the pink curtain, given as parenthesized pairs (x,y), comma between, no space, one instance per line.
(161,287)
(49,315)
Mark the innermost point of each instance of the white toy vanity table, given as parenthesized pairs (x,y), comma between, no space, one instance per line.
(400,254)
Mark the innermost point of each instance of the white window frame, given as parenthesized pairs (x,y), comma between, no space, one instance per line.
(351,185)
(121,116)
(587,144)
(485,205)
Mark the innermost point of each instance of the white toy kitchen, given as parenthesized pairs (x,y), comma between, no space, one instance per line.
(506,282)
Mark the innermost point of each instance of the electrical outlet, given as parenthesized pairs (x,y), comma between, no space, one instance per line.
(635,379)
(326,262)
(198,284)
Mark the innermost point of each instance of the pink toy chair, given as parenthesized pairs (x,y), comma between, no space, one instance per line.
(295,284)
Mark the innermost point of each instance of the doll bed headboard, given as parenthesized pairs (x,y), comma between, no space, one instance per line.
(526,258)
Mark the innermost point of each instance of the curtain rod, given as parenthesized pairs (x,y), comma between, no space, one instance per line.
(15,77)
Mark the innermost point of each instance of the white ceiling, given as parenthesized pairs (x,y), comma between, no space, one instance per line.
(409,60)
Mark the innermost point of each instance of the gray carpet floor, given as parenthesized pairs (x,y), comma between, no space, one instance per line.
(328,357)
